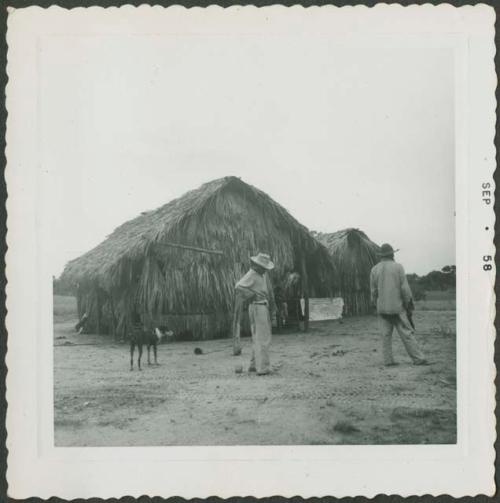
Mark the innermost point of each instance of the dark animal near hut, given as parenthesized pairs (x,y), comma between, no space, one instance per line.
(150,338)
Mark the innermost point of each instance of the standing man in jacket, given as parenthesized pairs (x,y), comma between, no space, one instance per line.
(391,294)
(256,288)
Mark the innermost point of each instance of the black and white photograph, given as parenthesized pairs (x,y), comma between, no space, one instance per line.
(253,231)
(277,260)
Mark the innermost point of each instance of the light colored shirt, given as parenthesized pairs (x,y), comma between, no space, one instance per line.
(389,287)
(256,288)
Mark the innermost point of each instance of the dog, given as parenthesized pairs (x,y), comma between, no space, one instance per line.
(151,338)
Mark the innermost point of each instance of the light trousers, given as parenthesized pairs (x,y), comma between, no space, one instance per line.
(260,325)
(389,322)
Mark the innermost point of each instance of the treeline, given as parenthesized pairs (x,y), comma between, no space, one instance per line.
(445,279)
(61,287)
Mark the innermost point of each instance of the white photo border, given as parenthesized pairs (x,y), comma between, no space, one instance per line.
(37,468)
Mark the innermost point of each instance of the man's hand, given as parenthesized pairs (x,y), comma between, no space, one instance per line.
(410,307)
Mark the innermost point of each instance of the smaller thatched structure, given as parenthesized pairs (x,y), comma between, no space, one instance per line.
(354,255)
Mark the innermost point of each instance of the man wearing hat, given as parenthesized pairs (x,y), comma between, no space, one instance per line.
(256,288)
(391,294)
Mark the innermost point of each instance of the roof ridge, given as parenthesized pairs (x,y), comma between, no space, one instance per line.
(132,237)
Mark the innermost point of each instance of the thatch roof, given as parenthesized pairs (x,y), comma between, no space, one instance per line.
(353,255)
(133,266)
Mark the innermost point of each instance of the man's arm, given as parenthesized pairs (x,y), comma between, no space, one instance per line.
(243,293)
(405,288)
(244,289)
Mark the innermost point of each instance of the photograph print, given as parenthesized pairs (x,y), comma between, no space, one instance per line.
(252,240)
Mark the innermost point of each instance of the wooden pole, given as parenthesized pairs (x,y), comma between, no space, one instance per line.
(191,248)
(98,301)
(113,319)
(238,305)
(305,292)
(79,302)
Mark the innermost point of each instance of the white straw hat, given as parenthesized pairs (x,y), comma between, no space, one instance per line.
(264,260)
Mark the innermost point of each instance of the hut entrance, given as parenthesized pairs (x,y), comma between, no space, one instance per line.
(290,303)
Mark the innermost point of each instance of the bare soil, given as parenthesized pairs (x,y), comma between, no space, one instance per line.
(328,387)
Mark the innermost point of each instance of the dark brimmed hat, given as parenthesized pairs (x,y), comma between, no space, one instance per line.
(386,250)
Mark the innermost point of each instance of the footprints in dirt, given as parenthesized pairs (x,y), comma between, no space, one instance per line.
(327,352)
(313,374)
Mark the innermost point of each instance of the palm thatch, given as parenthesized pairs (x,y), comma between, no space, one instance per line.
(353,255)
(134,269)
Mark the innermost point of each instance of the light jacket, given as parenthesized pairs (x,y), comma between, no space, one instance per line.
(390,290)
(256,288)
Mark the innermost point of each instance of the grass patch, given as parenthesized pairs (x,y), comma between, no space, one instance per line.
(440,295)
(409,413)
(69,423)
(423,426)
(436,305)
(317,441)
(443,331)
(345,427)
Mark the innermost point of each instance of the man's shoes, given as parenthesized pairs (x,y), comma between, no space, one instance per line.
(264,373)
(252,369)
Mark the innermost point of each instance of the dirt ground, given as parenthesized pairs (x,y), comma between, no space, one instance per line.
(328,387)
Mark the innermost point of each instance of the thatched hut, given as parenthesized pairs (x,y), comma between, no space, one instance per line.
(353,255)
(145,267)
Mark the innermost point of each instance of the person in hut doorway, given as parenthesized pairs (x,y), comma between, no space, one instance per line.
(391,294)
(281,307)
(255,287)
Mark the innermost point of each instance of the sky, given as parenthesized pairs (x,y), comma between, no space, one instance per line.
(340,136)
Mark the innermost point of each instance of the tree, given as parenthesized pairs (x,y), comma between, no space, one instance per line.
(445,279)
(61,287)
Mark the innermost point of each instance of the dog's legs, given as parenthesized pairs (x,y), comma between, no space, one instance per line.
(139,347)
(132,346)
